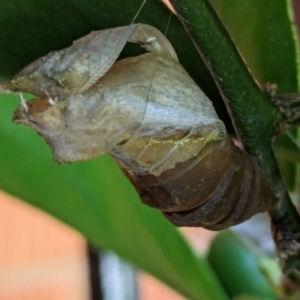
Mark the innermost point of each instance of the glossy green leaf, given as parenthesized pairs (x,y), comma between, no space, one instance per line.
(241,268)
(265,35)
(287,152)
(287,147)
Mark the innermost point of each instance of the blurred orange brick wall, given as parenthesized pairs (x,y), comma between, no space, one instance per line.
(40,258)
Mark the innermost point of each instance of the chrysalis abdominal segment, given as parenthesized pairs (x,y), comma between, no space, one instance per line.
(151,117)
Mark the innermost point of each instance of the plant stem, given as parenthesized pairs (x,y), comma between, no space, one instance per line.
(254,115)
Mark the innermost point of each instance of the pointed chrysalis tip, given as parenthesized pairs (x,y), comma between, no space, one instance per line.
(5,88)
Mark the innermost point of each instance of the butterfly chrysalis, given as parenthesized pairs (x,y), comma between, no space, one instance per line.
(151,117)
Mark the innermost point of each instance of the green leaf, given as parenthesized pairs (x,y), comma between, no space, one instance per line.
(287,152)
(93,197)
(288,148)
(264,32)
(241,268)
